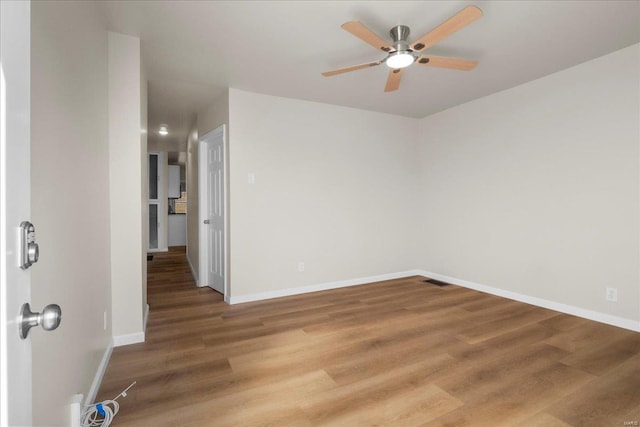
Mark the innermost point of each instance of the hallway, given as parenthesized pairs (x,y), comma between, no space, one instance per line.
(400,352)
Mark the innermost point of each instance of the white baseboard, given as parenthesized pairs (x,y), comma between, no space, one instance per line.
(146,316)
(156,251)
(97,379)
(135,338)
(193,271)
(540,302)
(321,287)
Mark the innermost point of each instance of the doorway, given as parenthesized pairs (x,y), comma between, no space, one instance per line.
(212,211)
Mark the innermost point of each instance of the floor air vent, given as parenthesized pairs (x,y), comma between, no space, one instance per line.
(436,282)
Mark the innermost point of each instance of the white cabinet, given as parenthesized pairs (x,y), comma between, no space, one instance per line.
(177,230)
(174,181)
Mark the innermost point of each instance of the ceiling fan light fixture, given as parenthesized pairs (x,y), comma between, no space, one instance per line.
(164,130)
(401,54)
(399,60)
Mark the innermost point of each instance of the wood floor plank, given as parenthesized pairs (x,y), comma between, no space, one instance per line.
(499,326)
(410,408)
(543,419)
(367,397)
(274,401)
(395,353)
(486,375)
(586,336)
(565,322)
(608,400)
(599,357)
(512,400)
(378,360)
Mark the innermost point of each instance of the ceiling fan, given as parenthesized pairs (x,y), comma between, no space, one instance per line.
(401,54)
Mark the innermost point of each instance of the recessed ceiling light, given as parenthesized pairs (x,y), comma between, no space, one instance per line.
(164,130)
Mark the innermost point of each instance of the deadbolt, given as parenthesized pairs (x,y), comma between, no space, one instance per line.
(49,319)
(29,251)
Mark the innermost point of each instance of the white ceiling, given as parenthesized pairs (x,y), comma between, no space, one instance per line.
(193,50)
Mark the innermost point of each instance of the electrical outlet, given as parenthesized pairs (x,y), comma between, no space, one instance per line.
(104,321)
(612,294)
(301,267)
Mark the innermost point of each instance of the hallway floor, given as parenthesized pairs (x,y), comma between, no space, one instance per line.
(400,352)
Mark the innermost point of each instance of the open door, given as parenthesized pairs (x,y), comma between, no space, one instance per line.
(212,214)
(15,195)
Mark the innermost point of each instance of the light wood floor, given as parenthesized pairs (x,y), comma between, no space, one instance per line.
(400,352)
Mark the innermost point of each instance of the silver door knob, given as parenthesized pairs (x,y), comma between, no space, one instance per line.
(49,319)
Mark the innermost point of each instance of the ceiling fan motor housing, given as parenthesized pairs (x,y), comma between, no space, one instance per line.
(400,34)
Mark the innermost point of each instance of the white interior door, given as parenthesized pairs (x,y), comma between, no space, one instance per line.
(212,202)
(15,285)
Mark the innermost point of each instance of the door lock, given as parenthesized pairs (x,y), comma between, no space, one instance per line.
(49,319)
(29,251)
(206,221)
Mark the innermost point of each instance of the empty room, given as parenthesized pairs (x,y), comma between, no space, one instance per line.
(320,213)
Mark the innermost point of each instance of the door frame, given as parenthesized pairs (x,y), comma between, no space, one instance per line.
(203,198)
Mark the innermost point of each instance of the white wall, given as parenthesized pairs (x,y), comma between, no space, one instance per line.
(336,188)
(126,199)
(214,114)
(535,190)
(70,200)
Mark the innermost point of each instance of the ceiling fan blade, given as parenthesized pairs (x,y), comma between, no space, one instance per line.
(393,81)
(352,68)
(458,21)
(444,62)
(366,35)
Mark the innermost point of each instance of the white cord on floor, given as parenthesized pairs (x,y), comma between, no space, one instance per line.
(102,413)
